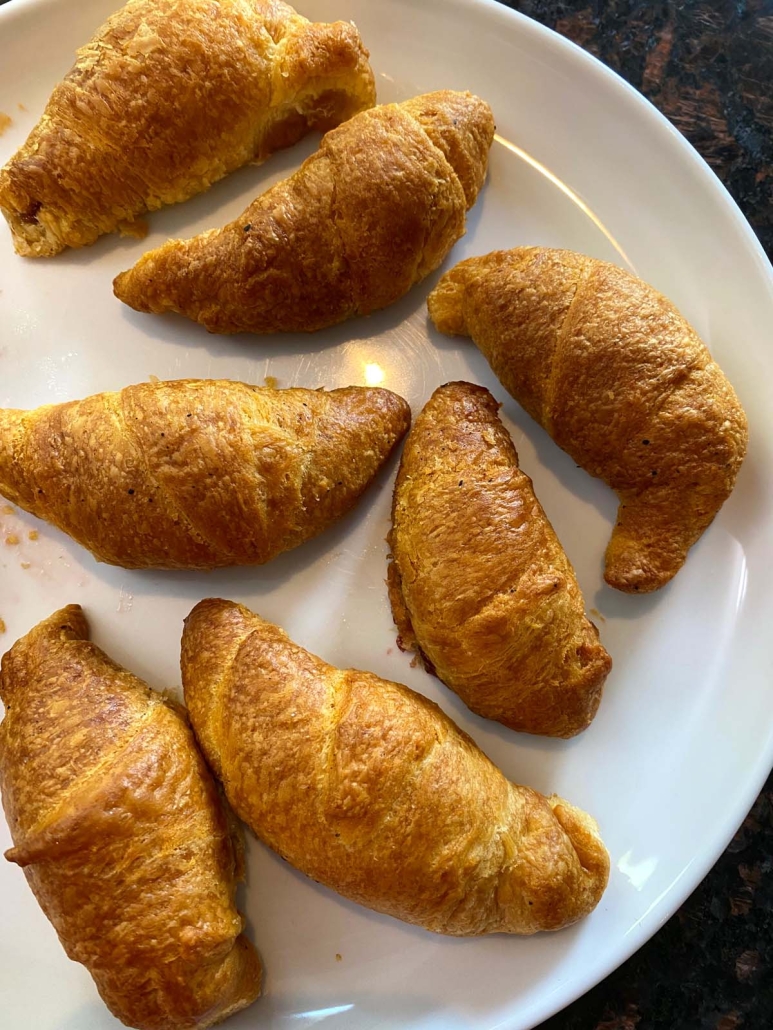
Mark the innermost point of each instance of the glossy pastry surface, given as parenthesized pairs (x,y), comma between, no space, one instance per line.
(620,380)
(370,214)
(479,583)
(122,833)
(198,473)
(168,97)
(370,789)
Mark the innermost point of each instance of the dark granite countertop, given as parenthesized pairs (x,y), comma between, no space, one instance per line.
(708,66)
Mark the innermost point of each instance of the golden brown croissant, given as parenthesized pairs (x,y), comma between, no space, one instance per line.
(121,832)
(167,98)
(371,213)
(370,789)
(479,583)
(621,382)
(197,473)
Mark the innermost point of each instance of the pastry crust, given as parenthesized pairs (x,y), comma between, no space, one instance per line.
(198,474)
(168,97)
(371,213)
(121,832)
(370,789)
(620,380)
(479,583)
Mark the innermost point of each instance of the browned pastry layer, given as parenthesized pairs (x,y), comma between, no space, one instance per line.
(371,213)
(122,832)
(167,98)
(197,473)
(370,789)
(622,383)
(479,583)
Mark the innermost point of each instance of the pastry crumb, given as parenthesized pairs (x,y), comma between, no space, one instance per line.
(21,107)
(2,626)
(8,510)
(338,957)
(11,540)
(5,122)
(271,381)
(26,565)
(33,534)
(597,614)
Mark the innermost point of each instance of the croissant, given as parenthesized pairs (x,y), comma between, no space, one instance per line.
(622,383)
(167,98)
(197,474)
(479,584)
(371,213)
(121,832)
(370,789)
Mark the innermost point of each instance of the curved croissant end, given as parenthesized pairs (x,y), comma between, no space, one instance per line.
(621,382)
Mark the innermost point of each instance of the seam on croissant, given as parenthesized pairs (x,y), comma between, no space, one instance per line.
(173,505)
(682,377)
(216,694)
(49,818)
(341,696)
(558,353)
(353,303)
(451,174)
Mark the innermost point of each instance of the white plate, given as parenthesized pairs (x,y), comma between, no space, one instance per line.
(684,735)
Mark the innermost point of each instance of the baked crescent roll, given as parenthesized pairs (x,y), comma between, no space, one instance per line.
(122,832)
(479,584)
(197,473)
(622,383)
(371,790)
(371,213)
(167,98)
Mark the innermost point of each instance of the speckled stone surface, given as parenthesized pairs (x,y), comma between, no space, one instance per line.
(708,66)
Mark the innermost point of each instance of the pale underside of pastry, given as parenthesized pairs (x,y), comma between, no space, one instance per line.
(122,832)
(369,215)
(198,474)
(368,788)
(479,583)
(168,97)
(620,380)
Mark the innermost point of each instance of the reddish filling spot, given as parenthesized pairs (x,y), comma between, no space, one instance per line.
(29,217)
